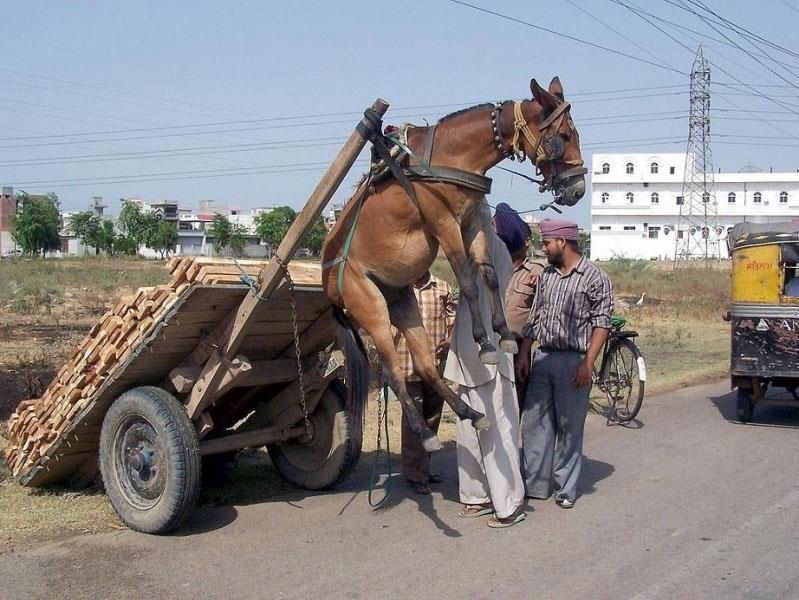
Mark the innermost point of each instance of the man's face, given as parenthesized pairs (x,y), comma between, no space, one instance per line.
(553,249)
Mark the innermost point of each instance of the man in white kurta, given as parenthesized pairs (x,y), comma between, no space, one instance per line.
(488,460)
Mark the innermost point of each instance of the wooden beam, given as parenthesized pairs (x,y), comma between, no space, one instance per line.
(250,439)
(272,275)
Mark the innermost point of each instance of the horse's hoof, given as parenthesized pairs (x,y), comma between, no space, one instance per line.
(509,346)
(489,357)
(431,444)
(481,424)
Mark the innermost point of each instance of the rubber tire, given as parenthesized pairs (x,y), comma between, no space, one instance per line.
(633,406)
(332,453)
(744,405)
(176,453)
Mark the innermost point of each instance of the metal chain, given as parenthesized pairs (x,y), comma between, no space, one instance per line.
(297,352)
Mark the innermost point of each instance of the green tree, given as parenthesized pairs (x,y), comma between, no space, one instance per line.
(272,226)
(36,223)
(316,236)
(108,237)
(160,235)
(221,230)
(88,228)
(238,239)
(131,225)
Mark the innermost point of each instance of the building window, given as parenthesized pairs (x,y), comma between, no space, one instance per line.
(653,168)
(655,198)
(605,168)
(629,228)
(604,228)
(630,197)
(783,197)
(654,232)
(731,198)
(705,197)
(630,169)
(680,200)
(605,197)
(671,170)
(758,198)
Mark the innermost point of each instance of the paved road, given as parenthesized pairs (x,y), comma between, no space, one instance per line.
(690,505)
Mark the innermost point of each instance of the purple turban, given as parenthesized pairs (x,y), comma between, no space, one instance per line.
(558,228)
(510,227)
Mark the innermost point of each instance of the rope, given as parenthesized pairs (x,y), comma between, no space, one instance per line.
(382,416)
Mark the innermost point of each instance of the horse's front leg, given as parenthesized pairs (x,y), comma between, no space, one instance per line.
(406,317)
(451,241)
(476,238)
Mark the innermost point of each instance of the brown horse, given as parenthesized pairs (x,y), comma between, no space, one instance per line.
(389,234)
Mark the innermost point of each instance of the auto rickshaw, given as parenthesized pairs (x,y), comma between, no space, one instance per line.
(764,311)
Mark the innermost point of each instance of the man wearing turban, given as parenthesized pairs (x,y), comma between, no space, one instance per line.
(570,319)
(512,230)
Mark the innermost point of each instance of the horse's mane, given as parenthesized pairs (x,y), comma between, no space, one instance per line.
(464,110)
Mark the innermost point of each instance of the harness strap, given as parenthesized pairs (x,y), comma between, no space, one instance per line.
(467,179)
(423,170)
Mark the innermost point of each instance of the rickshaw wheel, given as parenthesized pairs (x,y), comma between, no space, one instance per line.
(744,405)
(332,451)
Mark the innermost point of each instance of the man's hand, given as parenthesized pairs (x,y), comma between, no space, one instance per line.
(442,349)
(522,365)
(582,376)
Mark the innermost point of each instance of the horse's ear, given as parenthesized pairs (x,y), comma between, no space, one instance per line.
(556,89)
(544,98)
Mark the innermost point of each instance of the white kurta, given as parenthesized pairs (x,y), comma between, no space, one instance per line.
(488,461)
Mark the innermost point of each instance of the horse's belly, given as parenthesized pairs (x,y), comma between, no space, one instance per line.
(397,259)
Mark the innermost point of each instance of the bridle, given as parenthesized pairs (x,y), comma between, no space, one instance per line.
(545,147)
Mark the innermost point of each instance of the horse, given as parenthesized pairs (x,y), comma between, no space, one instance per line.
(390,232)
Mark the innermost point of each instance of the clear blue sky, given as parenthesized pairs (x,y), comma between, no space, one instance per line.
(246,103)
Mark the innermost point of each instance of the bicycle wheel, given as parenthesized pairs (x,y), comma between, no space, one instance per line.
(624,376)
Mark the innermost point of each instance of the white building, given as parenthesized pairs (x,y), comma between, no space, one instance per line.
(635,210)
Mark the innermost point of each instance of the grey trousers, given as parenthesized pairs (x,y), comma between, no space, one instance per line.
(552,425)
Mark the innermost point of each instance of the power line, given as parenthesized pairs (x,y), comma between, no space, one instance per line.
(568,37)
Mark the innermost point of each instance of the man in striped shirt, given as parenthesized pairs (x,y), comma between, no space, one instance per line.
(437,307)
(570,319)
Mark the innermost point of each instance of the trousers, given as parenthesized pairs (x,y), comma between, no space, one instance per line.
(552,425)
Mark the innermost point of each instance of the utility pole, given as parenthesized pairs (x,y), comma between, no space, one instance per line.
(697,235)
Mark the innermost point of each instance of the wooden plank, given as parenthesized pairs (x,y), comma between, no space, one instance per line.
(234,331)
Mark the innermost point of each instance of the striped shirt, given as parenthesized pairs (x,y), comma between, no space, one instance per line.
(437,305)
(568,307)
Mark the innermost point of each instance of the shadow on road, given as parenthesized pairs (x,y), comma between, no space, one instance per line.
(779,410)
(593,471)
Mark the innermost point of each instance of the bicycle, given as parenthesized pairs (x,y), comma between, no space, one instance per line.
(622,373)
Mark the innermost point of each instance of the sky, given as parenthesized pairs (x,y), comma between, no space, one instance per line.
(247,103)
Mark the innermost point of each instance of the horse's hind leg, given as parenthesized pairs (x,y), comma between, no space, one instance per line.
(367,306)
(406,317)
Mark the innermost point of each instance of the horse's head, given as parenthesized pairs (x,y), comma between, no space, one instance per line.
(556,147)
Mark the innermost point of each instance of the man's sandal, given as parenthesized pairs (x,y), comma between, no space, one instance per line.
(500,522)
(471,511)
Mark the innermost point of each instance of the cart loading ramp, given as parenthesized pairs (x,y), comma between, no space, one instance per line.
(145,336)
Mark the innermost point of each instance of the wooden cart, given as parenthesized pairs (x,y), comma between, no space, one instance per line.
(225,357)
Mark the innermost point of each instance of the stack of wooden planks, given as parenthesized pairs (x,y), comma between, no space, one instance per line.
(39,424)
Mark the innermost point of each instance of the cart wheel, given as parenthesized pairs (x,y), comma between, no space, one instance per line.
(744,405)
(330,454)
(150,460)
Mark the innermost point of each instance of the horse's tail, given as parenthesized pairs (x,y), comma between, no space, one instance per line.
(357,372)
